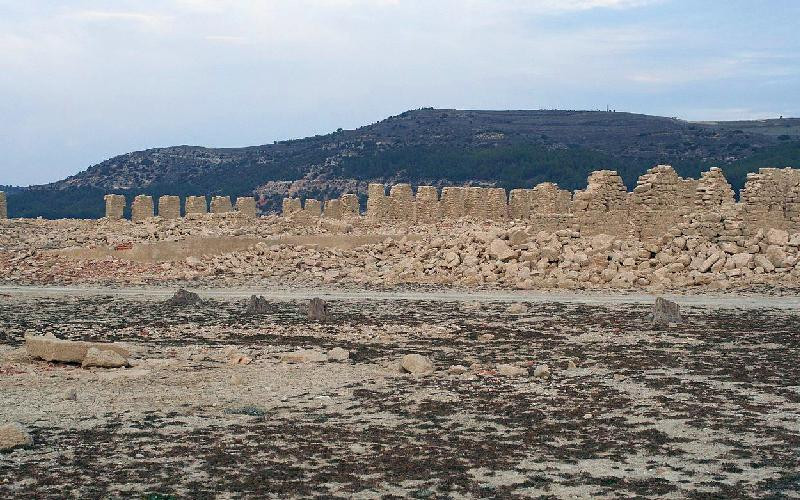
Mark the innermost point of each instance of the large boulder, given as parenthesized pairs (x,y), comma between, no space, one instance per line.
(507,370)
(500,250)
(50,348)
(14,435)
(416,364)
(777,237)
(666,312)
(775,255)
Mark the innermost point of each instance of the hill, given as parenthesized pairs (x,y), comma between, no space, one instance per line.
(429,146)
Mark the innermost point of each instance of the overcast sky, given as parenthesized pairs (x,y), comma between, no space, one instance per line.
(81,81)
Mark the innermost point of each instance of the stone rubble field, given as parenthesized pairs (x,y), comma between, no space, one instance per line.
(420,397)
(225,250)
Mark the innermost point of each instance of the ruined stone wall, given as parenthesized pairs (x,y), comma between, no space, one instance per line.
(115,206)
(350,207)
(519,204)
(453,203)
(221,205)
(428,208)
(332,209)
(169,207)
(142,208)
(246,207)
(291,206)
(660,202)
(196,205)
(312,207)
(548,198)
(769,198)
(401,203)
(377,202)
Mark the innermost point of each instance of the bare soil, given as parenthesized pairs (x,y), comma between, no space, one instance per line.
(707,408)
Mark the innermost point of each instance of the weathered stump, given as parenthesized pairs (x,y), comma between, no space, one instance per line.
(666,312)
(183,298)
(257,305)
(317,309)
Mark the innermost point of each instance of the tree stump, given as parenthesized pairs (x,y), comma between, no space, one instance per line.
(666,312)
(317,309)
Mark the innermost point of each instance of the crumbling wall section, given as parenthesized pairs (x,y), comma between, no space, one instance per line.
(115,206)
(246,207)
(169,207)
(291,206)
(519,204)
(453,203)
(660,201)
(401,203)
(377,202)
(713,192)
(428,208)
(142,208)
(496,207)
(548,198)
(312,207)
(768,198)
(350,206)
(221,205)
(333,209)
(196,205)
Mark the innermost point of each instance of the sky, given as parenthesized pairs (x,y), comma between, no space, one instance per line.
(82,81)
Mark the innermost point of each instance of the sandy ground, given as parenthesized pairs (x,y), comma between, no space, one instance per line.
(706,408)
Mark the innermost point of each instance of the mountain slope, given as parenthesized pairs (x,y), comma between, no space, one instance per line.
(430,146)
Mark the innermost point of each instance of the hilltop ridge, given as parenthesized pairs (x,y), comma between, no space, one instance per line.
(430,146)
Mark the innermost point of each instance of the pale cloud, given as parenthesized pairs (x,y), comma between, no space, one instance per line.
(84,80)
(148,19)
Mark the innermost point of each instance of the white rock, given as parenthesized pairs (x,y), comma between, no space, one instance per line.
(500,250)
(541,371)
(304,356)
(507,370)
(103,358)
(338,354)
(777,237)
(416,364)
(517,308)
(13,435)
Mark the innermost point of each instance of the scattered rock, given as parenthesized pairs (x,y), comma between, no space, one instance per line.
(338,354)
(500,250)
(304,356)
(103,358)
(507,370)
(71,395)
(50,348)
(14,435)
(257,305)
(183,298)
(571,365)
(236,379)
(541,371)
(416,364)
(317,309)
(486,337)
(517,308)
(666,312)
(457,370)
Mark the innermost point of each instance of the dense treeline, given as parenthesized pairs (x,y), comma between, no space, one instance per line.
(509,166)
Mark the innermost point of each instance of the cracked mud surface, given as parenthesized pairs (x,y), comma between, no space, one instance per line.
(708,408)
